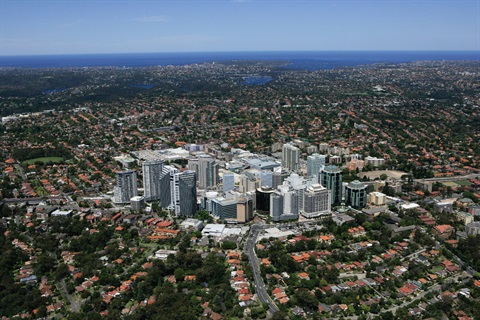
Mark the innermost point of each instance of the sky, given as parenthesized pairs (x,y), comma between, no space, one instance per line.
(35,27)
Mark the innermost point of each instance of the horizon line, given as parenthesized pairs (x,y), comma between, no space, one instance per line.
(237,51)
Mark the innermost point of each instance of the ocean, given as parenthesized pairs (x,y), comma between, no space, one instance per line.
(307,60)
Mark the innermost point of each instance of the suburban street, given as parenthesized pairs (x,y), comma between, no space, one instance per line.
(257,277)
(74,305)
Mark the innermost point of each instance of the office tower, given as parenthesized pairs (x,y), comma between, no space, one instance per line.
(331,178)
(233,206)
(244,209)
(279,175)
(207,171)
(184,193)
(224,208)
(228,182)
(165,181)
(248,183)
(298,184)
(356,194)
(152,172)
(290,157)
(126,187)
(284,203)
(262,197)
(314,163)
(317,201)
(266,178)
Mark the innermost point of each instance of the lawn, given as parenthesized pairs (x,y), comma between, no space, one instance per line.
(43,160)
(464,183)
(450,184)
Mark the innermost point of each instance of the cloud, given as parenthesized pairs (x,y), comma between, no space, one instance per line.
(153,19)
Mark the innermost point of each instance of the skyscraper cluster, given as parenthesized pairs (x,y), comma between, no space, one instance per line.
(174,190)
(299,196)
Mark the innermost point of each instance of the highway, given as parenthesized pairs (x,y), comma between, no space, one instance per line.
(453,178)
(260,288)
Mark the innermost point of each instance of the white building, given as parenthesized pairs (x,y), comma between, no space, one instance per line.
(315,162)
(377,198)
(191,223)
(374,161)
(317,202)
(284,203)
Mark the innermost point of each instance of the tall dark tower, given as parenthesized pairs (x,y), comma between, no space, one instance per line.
(331,178)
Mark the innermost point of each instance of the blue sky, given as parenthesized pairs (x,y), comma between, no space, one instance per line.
(29,27)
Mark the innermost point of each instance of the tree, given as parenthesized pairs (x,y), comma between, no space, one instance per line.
(45,263)
(179,274)
(41,312)
(229,245)
(61,271)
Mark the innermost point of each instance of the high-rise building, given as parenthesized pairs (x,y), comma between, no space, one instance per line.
(223,208)
(266,178)
(299,185)
(244,209)
(126,187)
(166,179)
(290,157)
(262,197)
(314,163)
(248,183)
(228,182)
(356,194)
(207,171)
(279,175)
(152,172)
(331,178)
(233,206)
(317,201)
(184,193)
(284,203)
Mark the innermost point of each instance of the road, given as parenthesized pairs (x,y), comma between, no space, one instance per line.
(415,254)
(74,305)
(20,171)
(260,288)
(455,178)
